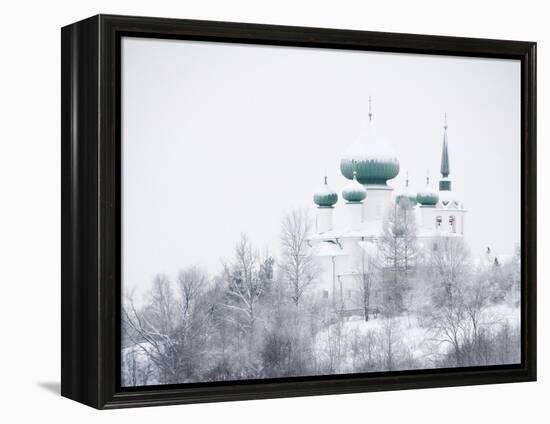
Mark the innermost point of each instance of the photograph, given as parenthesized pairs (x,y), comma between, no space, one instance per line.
(298,212)
(278,211)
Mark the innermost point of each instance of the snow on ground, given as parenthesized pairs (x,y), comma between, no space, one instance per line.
(502,313)
(407,333)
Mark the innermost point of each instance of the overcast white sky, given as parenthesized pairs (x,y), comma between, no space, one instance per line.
(220,139)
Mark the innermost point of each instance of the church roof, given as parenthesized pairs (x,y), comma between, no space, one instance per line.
(354,192)
(407,194)
(325,197)
(328,248)
(427,196)
(373,159)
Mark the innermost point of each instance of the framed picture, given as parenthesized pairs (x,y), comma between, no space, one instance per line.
(254,211)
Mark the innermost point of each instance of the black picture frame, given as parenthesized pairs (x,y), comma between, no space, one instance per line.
(91,206)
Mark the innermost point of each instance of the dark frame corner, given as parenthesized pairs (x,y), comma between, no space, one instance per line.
(90,203)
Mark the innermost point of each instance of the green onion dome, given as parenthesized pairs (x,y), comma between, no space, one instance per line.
(427,197)
(354,192)
(374,161)
(325,197)
(408,196)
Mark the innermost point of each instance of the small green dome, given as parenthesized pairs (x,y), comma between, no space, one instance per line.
(406,196)
(354,192)
(427,197)
(374,161)
(325,197)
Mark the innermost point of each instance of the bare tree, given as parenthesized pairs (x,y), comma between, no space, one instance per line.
(245,284)
(364,349)
(297,266)
(449,260)
(169,329)
(389,341)
(459,304)
(336,347)
(476,302)
(365,280)
(462,323)
(398,252)
(449,323)
(136,367)
(191,282)
(410,248)
(152,329)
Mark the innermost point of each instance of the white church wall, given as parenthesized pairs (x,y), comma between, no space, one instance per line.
(355,215)
(379,198)
(323,220)
(428,217)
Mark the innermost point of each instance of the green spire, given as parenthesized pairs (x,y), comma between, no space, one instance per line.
(445,165)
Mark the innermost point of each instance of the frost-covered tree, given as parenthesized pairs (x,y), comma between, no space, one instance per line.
(191,282)
(449,262)
(244,284)
(297,266)
(248,279)
(504,278)
(169,329)
(257,318)
(398,253)
(335,347)
(365,278)
(136,367)
(462,298)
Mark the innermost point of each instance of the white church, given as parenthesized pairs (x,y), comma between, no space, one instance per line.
(369,165)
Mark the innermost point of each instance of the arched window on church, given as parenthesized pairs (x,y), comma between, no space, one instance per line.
(452,223)
(438,222)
